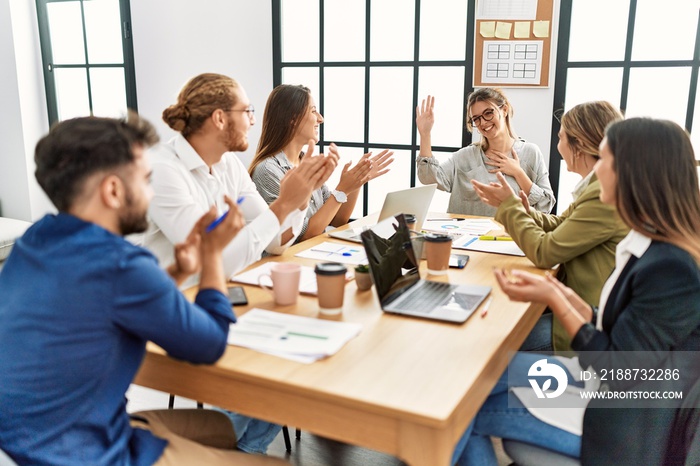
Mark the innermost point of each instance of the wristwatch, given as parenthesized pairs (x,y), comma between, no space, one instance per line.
(340,196)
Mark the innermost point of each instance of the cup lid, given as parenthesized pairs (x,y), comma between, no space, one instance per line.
(330,268)
(410,218)
(437,237)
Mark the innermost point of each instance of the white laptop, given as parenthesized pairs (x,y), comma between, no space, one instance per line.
(414,201)
(394,269)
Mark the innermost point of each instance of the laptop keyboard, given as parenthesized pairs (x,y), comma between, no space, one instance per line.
(427,296)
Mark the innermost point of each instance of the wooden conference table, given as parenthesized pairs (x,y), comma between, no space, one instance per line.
(405,386)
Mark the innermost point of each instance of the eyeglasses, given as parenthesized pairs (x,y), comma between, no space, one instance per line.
(486,116)
(250,111)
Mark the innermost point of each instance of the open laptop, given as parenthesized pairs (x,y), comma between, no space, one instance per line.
(414,201)
(394,269)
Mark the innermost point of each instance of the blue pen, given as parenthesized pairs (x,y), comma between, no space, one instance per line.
(216,222)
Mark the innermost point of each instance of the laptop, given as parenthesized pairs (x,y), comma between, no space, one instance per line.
(414,201)
(401,290)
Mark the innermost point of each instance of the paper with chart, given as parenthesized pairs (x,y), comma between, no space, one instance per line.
(307,279)
(302,339)
(473,243)
(459,227)
(506,9)
(512,62)
(336,252)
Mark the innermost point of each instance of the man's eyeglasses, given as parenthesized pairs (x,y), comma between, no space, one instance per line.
(250,111)
(486,116)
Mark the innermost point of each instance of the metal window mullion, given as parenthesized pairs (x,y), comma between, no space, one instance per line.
(692,92)
(321,80)
(628,55)
(128,55)
(368,24)
(468,69)
(416,71)
(87,60)
(277,43)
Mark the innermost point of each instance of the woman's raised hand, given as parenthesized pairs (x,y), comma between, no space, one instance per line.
(424,115)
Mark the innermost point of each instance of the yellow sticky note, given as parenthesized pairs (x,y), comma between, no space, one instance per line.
(487,28)
(540,28)
(503,30)
(522,30)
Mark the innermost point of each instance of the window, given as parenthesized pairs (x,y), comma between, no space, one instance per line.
(368,64)
(88,57)
(642,55)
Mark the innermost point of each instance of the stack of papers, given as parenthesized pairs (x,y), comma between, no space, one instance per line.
(461,226)
(301,339)
(307,280)
(336,252)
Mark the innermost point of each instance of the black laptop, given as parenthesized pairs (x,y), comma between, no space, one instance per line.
(394,269)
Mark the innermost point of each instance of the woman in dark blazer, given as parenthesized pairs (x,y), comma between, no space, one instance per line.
(648,327)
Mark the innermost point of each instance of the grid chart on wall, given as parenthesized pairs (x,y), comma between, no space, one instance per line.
(642,55)
(369,63)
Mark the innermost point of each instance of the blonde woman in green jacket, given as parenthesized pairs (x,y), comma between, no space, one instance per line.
(583,239)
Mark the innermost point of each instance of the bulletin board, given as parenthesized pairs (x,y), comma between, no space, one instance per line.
(513,42)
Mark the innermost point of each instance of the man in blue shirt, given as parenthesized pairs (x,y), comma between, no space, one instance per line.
(79,304)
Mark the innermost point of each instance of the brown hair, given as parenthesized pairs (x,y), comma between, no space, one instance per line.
(201,96)
(657,182)
(76,149)
(584,125)
(285,107)
(495,97)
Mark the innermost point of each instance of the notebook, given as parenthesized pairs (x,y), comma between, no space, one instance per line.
(414,201)
(401,290)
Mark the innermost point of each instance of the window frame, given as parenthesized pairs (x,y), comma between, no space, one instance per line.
(368,64)
(563,65)
(48,65)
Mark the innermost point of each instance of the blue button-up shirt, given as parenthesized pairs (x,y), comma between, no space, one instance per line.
(77,306)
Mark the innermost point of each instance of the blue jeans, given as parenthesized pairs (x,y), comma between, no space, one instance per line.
(540,338)
(252,435)
(496,418)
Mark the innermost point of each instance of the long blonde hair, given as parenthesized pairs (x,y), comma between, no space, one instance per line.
(657,181)
(584,125)
(495,97)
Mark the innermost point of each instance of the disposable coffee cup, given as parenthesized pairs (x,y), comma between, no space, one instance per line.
(330,281)
(410,221)
(437,252)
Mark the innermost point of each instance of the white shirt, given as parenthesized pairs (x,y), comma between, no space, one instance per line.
(184,189)
(571,419)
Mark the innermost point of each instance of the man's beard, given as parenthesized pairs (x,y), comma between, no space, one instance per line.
(131,220)
(234,141)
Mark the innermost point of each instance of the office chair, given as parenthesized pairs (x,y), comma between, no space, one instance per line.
(524,454)
(287,441)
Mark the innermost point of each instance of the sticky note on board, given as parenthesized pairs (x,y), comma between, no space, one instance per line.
(503,30)
(540,28)
(487,29)
(522,30)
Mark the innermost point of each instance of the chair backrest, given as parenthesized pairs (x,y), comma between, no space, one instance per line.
(685,440)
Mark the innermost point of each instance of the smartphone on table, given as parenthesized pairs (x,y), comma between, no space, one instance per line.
(458,261)
(236,295)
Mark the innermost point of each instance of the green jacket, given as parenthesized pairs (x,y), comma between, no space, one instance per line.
(583,240)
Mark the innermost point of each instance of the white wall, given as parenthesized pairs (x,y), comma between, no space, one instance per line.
(175,40)
(24,117)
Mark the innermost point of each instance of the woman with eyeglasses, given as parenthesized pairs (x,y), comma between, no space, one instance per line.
(647,322)
(291,120)
(583,238)
(499,150)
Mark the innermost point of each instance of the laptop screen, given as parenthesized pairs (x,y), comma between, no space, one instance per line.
(392,262)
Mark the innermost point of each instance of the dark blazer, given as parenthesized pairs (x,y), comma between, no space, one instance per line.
(654,307)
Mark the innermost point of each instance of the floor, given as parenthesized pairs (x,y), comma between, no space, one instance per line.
(310,450)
